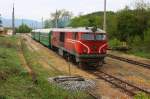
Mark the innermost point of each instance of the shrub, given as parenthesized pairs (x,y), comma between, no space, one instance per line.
(114,43)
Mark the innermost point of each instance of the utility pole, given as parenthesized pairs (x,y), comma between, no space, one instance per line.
(104,24)
(22,21)
(32,25)
(42,23)
(13,20)
(0,21)
(56,19)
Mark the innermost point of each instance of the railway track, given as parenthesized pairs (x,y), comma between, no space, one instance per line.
(93,95)
(132,90)
(129,61)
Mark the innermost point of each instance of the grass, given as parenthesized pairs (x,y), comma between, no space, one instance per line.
(140,54)
(10,69)
(141,96)
(16,83)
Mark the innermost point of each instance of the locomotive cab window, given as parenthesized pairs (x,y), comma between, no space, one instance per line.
(62,36)
(92,36)
(87,36)
(100,37)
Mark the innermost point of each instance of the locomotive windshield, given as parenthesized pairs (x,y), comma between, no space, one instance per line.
(87,36)
(100,37)
(91,36)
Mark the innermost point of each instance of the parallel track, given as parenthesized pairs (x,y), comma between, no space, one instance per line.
(129,61)
(127,87)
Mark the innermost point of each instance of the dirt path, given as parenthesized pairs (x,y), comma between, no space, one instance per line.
(50,60)
(22,59)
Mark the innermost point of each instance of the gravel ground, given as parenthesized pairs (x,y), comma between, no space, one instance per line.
(136,75)
(73,83)
(131,73)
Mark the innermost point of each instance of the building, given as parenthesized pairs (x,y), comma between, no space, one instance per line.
(4,31)
(1,26)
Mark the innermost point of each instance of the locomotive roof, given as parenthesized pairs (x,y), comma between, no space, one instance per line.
(68,30)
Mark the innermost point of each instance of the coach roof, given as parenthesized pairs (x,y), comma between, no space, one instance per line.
(42,30)
(76,30)
(68,30)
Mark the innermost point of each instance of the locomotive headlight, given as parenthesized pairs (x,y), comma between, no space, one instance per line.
(104,50)
(104,37)
(84,50)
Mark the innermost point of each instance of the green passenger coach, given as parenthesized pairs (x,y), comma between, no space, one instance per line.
(43,36)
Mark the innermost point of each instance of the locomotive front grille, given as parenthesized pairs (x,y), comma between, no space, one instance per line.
(92,56)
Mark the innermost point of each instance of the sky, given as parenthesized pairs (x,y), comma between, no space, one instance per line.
(36,9)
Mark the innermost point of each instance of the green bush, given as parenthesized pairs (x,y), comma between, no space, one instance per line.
(141,47)
(114,43)
(141,96)
(23,29)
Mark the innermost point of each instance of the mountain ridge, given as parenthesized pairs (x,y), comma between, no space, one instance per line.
(6,22)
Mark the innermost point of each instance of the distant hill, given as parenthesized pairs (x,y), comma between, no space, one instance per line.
(93,19)
(100,13)
(18,22)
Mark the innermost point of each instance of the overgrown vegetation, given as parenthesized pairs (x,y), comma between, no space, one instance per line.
(9,61)
(130,26)
(23,28)
(15,81)
(12,83)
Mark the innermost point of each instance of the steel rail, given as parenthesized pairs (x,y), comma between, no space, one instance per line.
(129,61)
(94,96)
(127,87)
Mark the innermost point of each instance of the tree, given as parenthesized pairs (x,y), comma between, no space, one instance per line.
(142,13)
(48,24)
(61,18)
(134,22)
(141,4)
(23,28)
(126,25)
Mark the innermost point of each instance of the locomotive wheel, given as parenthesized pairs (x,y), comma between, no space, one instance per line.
(81,65)
(95,66)
(100,63)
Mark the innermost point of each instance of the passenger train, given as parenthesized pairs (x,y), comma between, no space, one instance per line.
(85,46)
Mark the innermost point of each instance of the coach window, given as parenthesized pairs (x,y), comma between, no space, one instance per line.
(74,35)
(62,36)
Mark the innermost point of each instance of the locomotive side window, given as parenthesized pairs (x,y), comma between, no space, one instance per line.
(74,36)
(62,36)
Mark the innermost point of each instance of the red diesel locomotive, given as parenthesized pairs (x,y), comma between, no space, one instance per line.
(84,45)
